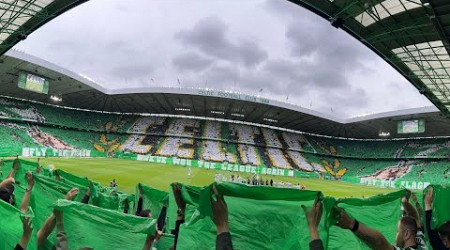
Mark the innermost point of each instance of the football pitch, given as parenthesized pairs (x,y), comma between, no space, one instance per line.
(128,173)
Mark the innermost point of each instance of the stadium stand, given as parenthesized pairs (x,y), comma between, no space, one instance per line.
(25,124)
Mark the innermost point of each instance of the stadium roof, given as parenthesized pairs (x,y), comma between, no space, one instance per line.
(80,92)
(18,18)
(411,35)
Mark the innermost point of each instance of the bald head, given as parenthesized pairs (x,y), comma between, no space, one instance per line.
(406,232)
(409,223)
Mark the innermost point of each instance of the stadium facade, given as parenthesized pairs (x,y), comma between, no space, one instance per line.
(214,129)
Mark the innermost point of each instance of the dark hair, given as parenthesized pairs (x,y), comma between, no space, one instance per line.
(444,230)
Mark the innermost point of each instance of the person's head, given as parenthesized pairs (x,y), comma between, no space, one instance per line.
(7,194)
(145,213)
(444,234)
(406,232)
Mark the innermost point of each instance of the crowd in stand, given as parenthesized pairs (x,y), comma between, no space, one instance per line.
(410,230)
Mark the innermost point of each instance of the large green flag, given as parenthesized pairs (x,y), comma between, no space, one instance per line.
(20,174)
(11,227)
(153,199)
(379,212)
(259,218)
(191,195)
(441,205)
(99,228)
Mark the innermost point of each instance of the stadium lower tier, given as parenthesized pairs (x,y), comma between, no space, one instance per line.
(41,115)
(32,140)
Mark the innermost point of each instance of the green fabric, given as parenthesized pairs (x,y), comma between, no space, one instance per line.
(153,199)
(99,228)
(81,181)
(441,205)
(191,195)
(165,242)
(46,192)
(20,174)
(11,227)
(255,217)
(260,217)
(379,212)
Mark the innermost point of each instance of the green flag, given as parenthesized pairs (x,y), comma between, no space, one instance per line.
(259,218)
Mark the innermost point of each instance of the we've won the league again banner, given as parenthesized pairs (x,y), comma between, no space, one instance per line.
(216,165)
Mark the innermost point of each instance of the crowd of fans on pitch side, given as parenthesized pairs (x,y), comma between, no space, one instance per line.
(410,228)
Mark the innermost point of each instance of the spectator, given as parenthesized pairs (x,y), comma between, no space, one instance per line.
(313,217)
(126,206)
(57,175)
(410,210)
(220,219)
(61,237)
(113,183)
(439,239)
(87,195)
(139,211)
(407,232)
(7,191)
(39,167)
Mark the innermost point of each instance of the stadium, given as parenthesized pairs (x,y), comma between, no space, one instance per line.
(267,157)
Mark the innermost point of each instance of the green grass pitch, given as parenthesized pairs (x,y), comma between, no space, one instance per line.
(128,173)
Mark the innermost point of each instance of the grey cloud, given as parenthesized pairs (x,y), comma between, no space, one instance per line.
(131,71)
(222,75)
(343,103)
(209,36)
(191,62)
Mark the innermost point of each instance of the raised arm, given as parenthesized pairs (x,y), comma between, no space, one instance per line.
(27,196)
(61,238)
(16,166)
(410,209)
(26,236)
(372,238)
(87,195)
(8,181)
(313,217)
(417,204)
(181,204)
(52,220)
(433,235)
(141,200)
(220,219)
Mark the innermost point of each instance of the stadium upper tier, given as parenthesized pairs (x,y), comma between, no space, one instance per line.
(69,89)
(30,125)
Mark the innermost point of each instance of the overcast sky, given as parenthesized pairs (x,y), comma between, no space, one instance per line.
(238,45)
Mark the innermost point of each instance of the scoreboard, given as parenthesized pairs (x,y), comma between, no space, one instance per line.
(411,126)
(33,82)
